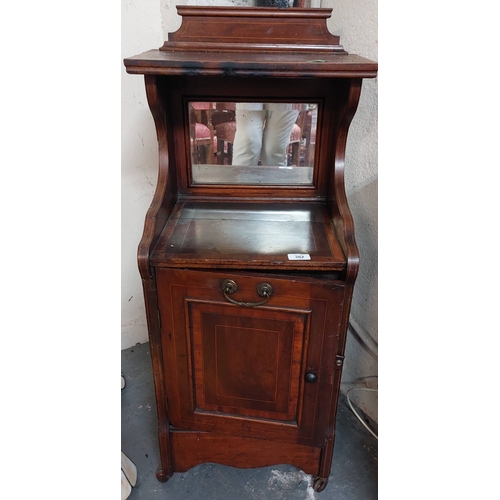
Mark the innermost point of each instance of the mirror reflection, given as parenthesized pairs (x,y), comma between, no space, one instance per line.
(252,143)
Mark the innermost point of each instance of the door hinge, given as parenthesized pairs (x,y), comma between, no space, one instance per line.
(339,361)
(158,317)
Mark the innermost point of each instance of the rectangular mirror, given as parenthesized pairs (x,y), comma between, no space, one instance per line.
(252,143)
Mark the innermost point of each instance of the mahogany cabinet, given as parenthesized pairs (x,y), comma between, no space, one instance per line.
(248,258)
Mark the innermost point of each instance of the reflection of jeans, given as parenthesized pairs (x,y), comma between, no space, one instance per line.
(262,132)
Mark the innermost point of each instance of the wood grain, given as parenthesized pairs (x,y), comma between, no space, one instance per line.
(192,448)
(230,380)
(248,235)
(260,29)
(313,307)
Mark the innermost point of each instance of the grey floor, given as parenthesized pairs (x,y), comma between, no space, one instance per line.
(353,474)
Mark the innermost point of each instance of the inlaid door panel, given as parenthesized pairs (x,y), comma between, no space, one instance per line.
(242,370)
(247,362)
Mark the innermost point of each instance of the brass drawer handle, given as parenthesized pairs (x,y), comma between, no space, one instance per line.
(263,290)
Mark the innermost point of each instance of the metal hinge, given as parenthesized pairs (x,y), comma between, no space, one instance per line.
(339,361)
(158,317)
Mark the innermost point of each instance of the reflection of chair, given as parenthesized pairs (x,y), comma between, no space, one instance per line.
(310,138)
(225,138)
(202,130)
(301,152)
(224,122)
(294,148)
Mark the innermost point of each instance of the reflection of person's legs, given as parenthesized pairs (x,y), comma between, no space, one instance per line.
(279,126)
(248,137)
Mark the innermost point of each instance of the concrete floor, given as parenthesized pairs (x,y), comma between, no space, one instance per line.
(353,474)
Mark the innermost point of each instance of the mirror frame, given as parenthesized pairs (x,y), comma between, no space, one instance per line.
(179,91)
(241,170)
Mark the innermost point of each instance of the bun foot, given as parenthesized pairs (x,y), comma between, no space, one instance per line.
(319,483)
(162,477)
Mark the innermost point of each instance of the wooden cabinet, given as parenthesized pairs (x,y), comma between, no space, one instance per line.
(261,363)
(248,258)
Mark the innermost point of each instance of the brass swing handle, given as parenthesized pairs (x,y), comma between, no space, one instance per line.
(263,290)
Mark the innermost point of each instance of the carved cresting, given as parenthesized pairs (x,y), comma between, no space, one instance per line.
(220,28)
(242,41)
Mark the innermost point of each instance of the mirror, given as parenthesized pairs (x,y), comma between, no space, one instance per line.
(252,143)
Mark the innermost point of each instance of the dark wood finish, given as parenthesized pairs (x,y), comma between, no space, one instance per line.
(187,88)
(166,187)
(249,29)
(229,41)
(236,383)
(312,65)
(193,448)
(256,235)
(197,316)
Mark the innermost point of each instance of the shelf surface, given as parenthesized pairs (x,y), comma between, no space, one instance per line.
(249,236)
(251,64)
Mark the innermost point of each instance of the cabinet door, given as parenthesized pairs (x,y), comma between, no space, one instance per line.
(242,370)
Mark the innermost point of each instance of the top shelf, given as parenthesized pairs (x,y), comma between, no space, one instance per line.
(177,63)
(243,41)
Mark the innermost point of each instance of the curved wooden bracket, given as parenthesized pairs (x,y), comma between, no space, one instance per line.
(165,194)
(337,198)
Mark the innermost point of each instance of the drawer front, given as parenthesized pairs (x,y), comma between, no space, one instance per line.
(256,370)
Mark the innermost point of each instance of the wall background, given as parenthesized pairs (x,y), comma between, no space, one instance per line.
(145,25)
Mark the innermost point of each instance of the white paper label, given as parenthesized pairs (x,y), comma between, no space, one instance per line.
(299,256)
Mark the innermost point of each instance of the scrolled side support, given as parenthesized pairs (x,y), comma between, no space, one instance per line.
(165,193)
